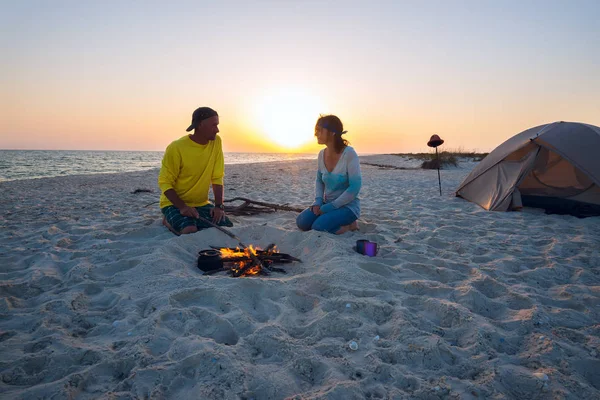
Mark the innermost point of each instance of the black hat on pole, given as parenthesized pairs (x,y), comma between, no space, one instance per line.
(435,141)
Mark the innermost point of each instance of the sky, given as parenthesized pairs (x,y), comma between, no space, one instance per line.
(127,75)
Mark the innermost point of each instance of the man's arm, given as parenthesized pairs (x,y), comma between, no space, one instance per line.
(217,212)
(184,209)
(218,191)
(217,183)
(166,180)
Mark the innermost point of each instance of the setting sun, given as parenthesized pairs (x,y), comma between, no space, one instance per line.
(287,116)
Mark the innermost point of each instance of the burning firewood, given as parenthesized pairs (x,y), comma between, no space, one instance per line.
(256,265)
(240,262)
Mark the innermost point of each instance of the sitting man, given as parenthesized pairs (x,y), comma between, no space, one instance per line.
(189,166)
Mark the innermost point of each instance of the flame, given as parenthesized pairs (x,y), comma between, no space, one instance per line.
(229,253)
(239,265)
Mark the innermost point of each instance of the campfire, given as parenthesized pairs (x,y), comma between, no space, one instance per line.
(247,261)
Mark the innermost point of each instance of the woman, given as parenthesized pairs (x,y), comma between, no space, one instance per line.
(336,207)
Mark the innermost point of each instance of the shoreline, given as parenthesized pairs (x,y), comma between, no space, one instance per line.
(96,296)
(391,159)
(128,165)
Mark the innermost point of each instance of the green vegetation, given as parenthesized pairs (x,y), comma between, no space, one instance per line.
(446,157)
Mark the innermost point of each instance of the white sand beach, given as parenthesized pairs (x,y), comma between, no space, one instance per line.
(99,300)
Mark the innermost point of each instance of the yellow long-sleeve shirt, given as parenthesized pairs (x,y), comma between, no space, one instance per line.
(189,168)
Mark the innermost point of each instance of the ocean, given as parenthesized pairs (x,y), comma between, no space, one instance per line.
(29,164)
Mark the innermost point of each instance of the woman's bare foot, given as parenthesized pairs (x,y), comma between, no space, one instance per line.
(353,226)
(345,228)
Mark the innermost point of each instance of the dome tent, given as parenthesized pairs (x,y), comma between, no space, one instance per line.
(554,166)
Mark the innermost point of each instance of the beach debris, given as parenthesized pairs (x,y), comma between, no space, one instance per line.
(239,262)
(541,376)
(353,345)
(251,207)
(261,204)
(376,338)
(136,191)
(439,331)
(385,166)
(348,305)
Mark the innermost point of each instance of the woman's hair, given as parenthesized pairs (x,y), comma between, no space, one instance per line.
(333,124)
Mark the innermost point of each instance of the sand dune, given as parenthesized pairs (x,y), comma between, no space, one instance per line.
(98,299)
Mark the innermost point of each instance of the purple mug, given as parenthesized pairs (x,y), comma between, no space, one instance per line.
(366,247)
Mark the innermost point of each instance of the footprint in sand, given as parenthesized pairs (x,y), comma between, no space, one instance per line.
(590,370)
(103,301)
(425,288)
(310,370)
(302,302)
(478,303)
(377,268)
(206,298)
(38,345)
(440,274)
(202,323)
(519,381)
(489,287)
(516,301)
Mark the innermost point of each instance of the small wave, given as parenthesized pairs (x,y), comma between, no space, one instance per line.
(28,164)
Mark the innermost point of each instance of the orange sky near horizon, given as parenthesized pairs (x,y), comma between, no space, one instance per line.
(108,77)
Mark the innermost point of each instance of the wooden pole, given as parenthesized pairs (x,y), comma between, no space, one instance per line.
(438,168)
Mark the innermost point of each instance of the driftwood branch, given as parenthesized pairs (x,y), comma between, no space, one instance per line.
(283,207)
(136,191)
(251,207)
(384,166)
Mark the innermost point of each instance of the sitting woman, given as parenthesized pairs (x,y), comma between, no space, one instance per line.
(336,206)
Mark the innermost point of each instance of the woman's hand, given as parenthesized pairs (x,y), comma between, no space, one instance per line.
(316,210)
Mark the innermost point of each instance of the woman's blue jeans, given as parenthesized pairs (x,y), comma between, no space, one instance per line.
(330,222)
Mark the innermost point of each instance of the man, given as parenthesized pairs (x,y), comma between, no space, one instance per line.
(190,165)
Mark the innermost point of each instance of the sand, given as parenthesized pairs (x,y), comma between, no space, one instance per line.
(99,300)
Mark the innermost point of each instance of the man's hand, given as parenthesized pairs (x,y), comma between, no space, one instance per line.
(217,214)
(316,210)
(188,211)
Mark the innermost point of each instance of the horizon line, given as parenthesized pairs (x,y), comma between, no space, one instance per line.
(156,151)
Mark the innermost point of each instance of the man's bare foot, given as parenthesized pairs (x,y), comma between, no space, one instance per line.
(184,231)
(189,229)
(168,225)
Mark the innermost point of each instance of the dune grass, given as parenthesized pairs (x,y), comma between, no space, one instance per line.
(447,158)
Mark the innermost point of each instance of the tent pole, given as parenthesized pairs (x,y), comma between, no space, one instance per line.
(438,168)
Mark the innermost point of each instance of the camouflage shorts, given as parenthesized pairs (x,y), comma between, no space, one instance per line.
(178,221)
